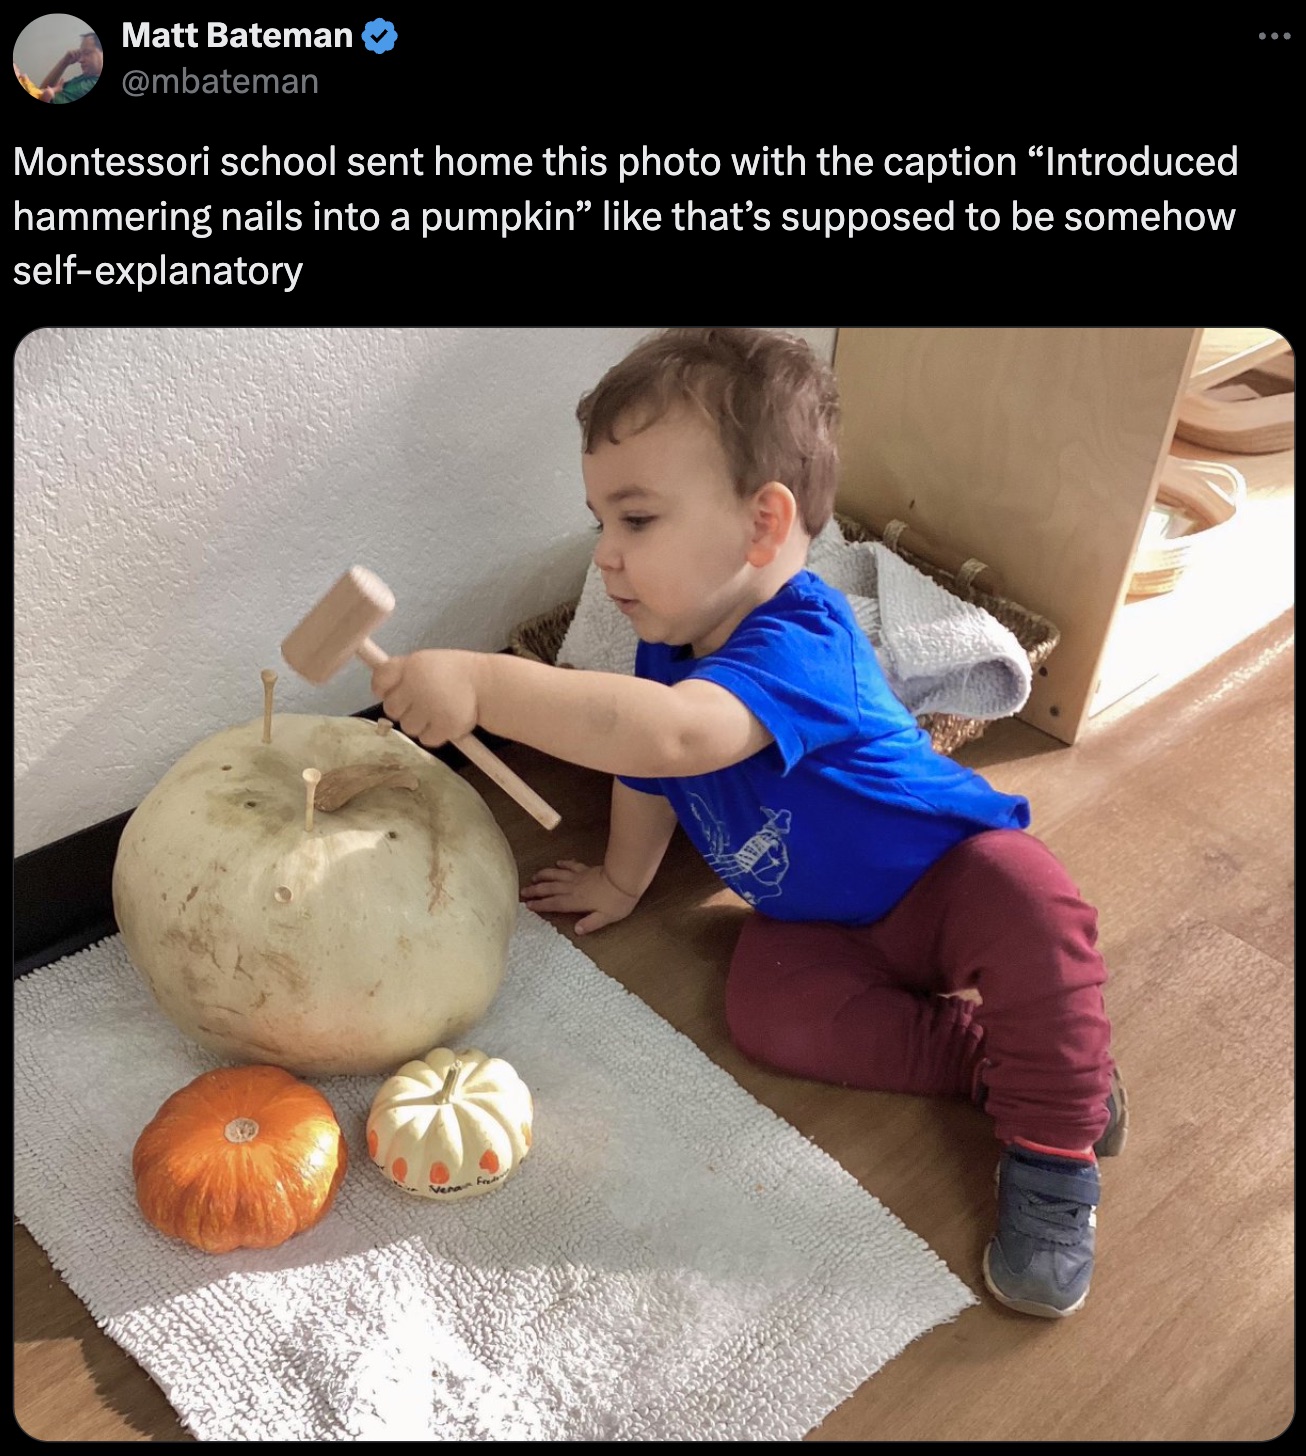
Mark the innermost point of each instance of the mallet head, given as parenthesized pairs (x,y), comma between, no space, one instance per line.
(340,623)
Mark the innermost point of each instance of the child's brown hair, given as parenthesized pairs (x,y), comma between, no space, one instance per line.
(774,404)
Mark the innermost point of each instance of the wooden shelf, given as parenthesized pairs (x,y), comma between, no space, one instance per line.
(1034,450)
(1223,354)
(1039,452)
(1156,642)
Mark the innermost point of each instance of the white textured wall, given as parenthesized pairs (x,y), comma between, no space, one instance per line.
(182,497)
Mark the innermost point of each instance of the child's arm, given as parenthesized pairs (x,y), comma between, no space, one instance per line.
(603,720)
(641,829)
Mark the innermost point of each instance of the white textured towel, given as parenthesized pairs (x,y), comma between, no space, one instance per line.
(598,637)
(939,653)
(672,1262)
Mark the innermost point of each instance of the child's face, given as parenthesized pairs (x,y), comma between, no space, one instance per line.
(674,536)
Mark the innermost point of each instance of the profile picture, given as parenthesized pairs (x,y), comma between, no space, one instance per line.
(58,59)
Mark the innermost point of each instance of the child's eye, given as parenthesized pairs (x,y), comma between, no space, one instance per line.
(636,523)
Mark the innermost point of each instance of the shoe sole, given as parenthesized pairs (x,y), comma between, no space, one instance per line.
(1114,1144)
(1028,1306)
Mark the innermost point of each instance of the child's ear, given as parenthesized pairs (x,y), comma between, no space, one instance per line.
(774,512)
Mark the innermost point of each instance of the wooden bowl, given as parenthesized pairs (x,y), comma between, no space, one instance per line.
(1198,505)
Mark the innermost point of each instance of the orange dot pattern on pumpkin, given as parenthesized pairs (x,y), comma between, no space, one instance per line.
(373,1142)
(439,1173)
(490,1161)
(400,1169)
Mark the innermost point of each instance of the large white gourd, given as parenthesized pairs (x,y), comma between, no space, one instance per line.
(347,948)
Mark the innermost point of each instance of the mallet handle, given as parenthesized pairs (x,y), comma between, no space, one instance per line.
(489,763)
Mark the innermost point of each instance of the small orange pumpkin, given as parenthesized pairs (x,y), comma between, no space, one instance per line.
(242,1157)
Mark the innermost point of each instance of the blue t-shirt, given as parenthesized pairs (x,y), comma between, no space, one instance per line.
(841,815)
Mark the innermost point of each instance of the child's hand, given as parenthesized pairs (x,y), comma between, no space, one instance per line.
(431,694)
(574,886)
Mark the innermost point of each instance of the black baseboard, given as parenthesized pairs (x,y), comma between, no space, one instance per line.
(62,899)
(63,892)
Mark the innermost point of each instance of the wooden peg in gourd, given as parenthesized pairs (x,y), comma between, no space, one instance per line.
(338,629)
(269,679)
(312,777)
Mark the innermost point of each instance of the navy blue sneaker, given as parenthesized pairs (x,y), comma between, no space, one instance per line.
(1041,1259)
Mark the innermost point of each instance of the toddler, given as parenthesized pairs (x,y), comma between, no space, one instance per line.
(883,875)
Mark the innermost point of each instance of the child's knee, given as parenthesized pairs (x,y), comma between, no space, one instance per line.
(748,1019)
(775,1024)
(1015,872)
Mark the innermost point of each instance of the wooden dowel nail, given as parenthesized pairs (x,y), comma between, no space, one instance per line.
(269,678)
(311,778)
(383,726)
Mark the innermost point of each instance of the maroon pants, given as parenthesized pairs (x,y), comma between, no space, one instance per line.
(867,1006)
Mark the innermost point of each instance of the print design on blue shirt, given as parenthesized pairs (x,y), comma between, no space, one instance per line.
(753,871)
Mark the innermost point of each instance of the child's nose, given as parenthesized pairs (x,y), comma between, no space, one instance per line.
(606,556)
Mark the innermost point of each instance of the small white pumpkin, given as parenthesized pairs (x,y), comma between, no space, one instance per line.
(451,1125)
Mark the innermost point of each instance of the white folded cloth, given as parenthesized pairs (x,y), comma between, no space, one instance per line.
(599,637)
(939,653)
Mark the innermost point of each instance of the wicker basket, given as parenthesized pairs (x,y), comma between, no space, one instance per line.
(540,637)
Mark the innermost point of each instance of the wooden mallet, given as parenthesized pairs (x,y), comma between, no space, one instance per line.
(339,628)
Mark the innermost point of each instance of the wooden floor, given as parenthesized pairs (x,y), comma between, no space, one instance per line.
(1176,820)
